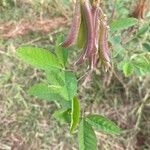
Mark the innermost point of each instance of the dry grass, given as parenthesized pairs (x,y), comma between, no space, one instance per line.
(130,113)
(12,29)
(26,123)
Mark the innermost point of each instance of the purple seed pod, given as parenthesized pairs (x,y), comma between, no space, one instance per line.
(74,26)
(105,48)
(103,40)
(96,26)
(92,58)
(87,11)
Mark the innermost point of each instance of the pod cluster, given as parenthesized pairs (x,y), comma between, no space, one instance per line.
(89,30)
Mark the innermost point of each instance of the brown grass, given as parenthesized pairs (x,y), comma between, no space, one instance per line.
(12,29)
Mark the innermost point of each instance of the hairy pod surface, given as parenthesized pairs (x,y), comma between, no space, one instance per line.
(93,34)
(74,26)
(95,13)
(103,41)
(96,22)
(87,10)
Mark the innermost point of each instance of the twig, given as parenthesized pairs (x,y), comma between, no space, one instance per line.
(140,110)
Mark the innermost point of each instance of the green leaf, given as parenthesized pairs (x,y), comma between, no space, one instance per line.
(146,46)
(115,40)
(66,79)
(86,137)
(142,62)
(38,57)
(122,23)
(62,53)
(44,91)
(55,77)
(49,93)
(75,114)
(70,84)
(63,115)
(142,30)
(127,68)
(103,124)
(120,64)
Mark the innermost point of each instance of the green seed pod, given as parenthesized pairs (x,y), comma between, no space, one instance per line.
(81,39)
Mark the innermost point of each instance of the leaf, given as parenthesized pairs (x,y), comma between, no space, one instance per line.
(63,115)
(49,93)
(142,62)
(86,137)
(43,91)
(115,40)
(75,114)
(122,23)
(38,57)
(62,53)
(103,124)
(66,79)
(120,64)
(55,88)
(127,68)
(70,84)
(142,30)
(146,47)
(55,77)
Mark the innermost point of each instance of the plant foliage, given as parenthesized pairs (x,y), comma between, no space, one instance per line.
(61,86)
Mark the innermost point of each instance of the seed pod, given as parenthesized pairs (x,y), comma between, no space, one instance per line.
(81,39)
(89,28)
(96,22)
(95,13)
(103,41)
(103,45)
(93,60)
(74,26)
(89,25)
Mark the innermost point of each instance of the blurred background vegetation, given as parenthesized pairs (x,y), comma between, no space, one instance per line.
(26,123)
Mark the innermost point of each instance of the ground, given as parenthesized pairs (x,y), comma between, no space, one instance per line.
(26,123)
